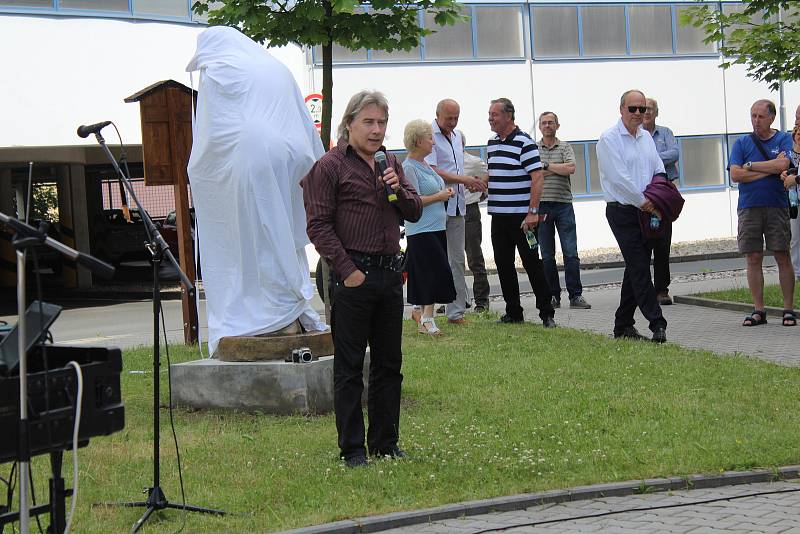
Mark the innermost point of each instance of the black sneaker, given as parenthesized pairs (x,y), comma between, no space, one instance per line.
(507,319)
(549,322)
(629,333)
(395,452)
(659,335)
(359,460)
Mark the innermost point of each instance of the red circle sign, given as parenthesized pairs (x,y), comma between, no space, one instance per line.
(314,105)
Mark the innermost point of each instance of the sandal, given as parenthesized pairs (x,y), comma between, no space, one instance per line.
(428,326)
(757,317)
(789,318)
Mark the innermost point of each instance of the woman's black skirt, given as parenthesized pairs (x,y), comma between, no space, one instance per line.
(430,279)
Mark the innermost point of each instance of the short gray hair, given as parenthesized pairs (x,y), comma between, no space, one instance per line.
(357,103)
(508,107)
(541,116)
(626,93)
(770,106)
(414,131)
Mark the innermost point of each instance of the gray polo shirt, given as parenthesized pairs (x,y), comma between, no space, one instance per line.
(556,187)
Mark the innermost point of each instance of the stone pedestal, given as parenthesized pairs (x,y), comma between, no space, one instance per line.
(273,387)
(272,347)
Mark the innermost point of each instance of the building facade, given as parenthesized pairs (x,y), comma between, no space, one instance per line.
(74,61)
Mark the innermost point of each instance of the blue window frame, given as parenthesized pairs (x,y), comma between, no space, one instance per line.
(473,50)
(169,10)
(582,31)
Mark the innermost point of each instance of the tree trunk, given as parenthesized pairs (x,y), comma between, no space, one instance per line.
(327,83)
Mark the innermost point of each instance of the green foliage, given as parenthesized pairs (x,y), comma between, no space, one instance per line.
(755,37)
(387,26)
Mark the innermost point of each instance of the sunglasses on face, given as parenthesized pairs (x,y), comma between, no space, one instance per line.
(633,109)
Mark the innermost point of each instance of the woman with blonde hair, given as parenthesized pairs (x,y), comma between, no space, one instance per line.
(430,279)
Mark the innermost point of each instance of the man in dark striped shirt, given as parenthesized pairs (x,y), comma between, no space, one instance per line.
(515,185)
(355,228)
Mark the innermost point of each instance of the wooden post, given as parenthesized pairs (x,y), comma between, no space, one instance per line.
(166,113)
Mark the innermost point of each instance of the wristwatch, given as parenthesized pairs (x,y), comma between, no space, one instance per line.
(748,165)
(535,211)
(545,165)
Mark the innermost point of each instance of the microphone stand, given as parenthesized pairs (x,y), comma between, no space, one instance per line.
(27,236)
(158,248)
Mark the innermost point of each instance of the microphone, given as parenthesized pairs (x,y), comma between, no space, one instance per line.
(86,131)
(380,159)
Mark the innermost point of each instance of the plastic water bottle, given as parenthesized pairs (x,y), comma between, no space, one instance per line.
(655,222)
(533,243)
(793,197)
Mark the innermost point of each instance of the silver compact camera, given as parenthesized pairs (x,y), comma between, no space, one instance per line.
(301,355)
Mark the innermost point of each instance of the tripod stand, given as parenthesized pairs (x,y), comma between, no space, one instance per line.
(158,248)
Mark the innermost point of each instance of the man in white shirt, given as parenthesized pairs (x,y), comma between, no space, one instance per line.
(447,159)
(627,160)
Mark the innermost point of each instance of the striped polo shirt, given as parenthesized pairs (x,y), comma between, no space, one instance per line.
(511,160)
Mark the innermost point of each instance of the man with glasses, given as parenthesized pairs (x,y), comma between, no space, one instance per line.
(447,159)
(667,148)
(627,160)
(558,164)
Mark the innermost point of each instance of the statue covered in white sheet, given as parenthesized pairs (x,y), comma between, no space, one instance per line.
(253,142)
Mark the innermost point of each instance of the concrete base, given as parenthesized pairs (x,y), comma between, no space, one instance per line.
(269,386)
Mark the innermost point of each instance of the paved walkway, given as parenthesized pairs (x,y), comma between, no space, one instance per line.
(766,507)
(775,509)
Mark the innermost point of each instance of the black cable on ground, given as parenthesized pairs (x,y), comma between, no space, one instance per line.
(625,511)
(172,421)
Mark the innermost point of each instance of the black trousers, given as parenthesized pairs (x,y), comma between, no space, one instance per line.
(507,235)
(370,313)
(637,286)
(661,246)
(473,237)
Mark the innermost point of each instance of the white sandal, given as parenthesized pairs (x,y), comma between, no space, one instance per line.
(428,326)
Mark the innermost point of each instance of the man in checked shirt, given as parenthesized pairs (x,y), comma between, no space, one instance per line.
(355,227)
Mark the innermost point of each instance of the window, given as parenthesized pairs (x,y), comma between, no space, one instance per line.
(701,161)
(594,173)
(27,3)
(95,5)
(396,55)
(651,29)
(449,42)
(604,31)
(729,9)
(578,179)
(555,32)
(167,8)
(499,32)
(689,40)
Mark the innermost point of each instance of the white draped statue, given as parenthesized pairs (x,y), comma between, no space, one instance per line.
(253,142)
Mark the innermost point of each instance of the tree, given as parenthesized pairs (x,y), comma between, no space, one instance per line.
(383,25)
(764,36)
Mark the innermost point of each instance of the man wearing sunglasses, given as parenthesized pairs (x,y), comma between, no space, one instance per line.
(627,160)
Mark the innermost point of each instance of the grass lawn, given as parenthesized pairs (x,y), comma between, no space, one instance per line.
(488,410)
(772,295)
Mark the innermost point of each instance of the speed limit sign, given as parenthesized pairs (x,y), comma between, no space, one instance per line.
(314,105)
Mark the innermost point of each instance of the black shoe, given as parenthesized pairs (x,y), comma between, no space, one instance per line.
(359,460)
(395,452)
(664,299)
(481,308)
(506,319)
(629,332)
(659,335)
(549,322)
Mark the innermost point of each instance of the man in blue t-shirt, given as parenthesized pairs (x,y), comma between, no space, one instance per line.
(756,162)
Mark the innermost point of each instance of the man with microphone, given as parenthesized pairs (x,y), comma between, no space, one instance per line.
(353,207)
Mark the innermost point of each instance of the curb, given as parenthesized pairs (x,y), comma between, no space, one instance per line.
(526,500)
(724,305)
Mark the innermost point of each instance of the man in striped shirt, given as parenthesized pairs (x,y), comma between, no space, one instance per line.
(515,185)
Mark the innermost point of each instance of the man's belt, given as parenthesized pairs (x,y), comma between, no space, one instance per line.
(390,262)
